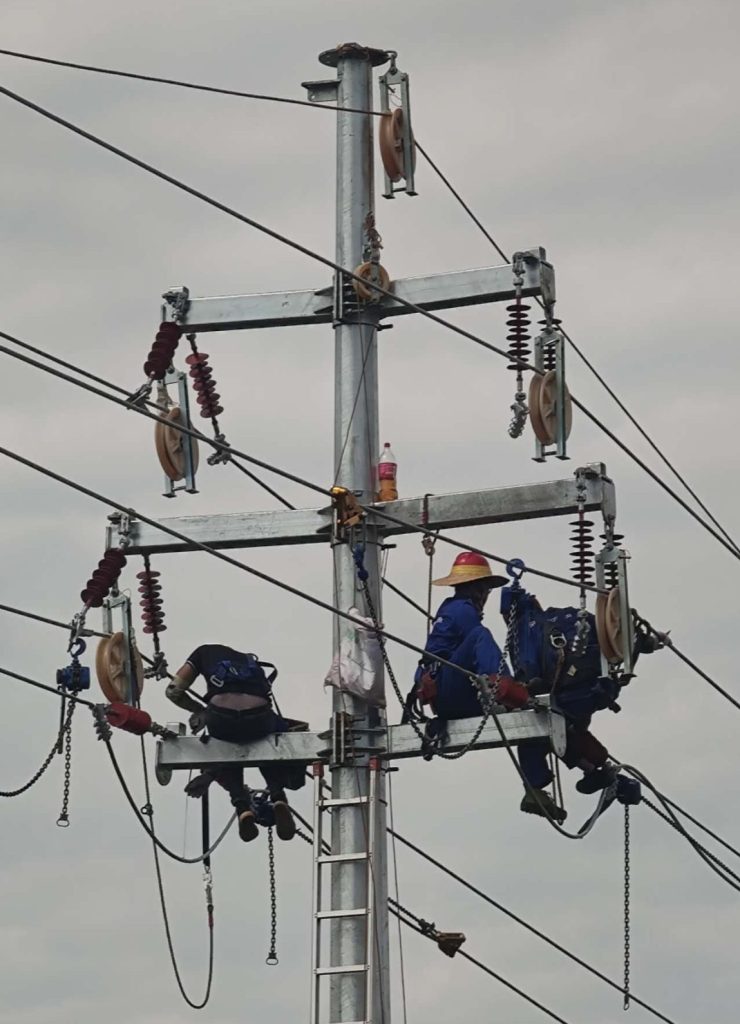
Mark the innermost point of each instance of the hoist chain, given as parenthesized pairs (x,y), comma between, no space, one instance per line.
(47,761)
(272,959)
(626,907)
(63,819)
(486,698)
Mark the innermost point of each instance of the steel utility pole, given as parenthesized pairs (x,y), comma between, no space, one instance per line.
(356,444)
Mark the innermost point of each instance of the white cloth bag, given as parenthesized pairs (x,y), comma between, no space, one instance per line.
(358,669)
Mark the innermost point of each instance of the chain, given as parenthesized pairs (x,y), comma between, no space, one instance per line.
(47,761)
(626,907)
(63,819)
(486,692)
(272,959)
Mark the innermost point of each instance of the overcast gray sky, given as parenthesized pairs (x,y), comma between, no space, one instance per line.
(607,134)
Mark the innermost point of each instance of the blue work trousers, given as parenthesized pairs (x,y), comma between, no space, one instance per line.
(456,695)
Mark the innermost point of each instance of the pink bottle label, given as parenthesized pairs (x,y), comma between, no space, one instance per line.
(387,470)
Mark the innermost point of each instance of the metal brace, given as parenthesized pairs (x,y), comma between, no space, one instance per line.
(178,299)
(394,77)
(341,739)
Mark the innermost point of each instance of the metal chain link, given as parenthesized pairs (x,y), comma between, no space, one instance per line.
(47,761)
(626,1005)
(272,959)
(63,819)
(486,696)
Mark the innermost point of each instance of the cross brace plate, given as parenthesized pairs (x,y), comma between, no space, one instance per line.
(185,752)
(445,511)
(435,291)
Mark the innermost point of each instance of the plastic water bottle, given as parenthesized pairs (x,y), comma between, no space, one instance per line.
(387,467)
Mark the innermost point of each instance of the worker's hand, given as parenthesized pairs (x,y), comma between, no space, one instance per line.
(198,721)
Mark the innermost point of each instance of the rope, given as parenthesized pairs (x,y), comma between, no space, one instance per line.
(163,903)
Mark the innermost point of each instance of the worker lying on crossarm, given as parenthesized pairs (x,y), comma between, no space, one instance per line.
(459,636)
(238,710)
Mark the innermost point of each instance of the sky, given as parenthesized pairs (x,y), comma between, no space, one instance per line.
(606,134)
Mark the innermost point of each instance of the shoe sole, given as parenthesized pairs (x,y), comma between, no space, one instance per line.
(284,823)
(248,829)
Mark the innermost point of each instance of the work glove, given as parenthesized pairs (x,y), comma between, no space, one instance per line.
(197,721)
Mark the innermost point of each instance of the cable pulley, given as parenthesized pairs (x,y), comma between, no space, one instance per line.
(170,445)
(111,669)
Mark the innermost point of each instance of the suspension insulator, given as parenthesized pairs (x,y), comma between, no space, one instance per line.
(204,385)
(108,570)
(518,336)
(162,351)
(152,613)
(582,550)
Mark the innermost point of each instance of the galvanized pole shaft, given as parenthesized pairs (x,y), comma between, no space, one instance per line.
(356,444)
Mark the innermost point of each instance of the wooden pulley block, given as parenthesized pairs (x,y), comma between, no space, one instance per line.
(110,668)
(390,137)
(609,625)
(366,292)
(542,402)
(169,443)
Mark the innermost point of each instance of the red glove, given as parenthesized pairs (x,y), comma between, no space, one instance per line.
(427,689)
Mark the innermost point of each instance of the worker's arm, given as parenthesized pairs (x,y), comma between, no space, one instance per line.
(177,689)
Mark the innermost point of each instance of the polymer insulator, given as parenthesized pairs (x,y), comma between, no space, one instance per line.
(548,351)
(151,601)
(162,351)
(518,336)
(103,578)
(204,385)
(611,569)
(582,550)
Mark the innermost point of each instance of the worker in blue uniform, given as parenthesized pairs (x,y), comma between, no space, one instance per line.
(459,636)
(238,710)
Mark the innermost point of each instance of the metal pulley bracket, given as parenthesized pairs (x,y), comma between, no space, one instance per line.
(614,623)
(118,664)
(177,452)
(550,407)
(395,135)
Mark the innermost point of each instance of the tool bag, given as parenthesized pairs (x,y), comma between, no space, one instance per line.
(542,655)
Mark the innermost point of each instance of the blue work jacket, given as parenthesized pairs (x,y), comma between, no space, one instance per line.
(456,618)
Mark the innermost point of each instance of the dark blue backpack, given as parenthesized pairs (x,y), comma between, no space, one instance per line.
(541,644)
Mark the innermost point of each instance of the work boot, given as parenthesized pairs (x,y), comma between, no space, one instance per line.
(539,801)
(596,780)
(248,829)
(284,823)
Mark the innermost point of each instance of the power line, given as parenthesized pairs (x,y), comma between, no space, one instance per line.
(579,352)
(350,275)
(185,85)
(218,446)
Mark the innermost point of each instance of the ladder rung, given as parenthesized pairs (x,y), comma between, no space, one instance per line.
(326,914)
(347,969)
(344,802)
(336,858)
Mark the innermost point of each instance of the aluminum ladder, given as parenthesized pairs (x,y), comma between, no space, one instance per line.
(325,862)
